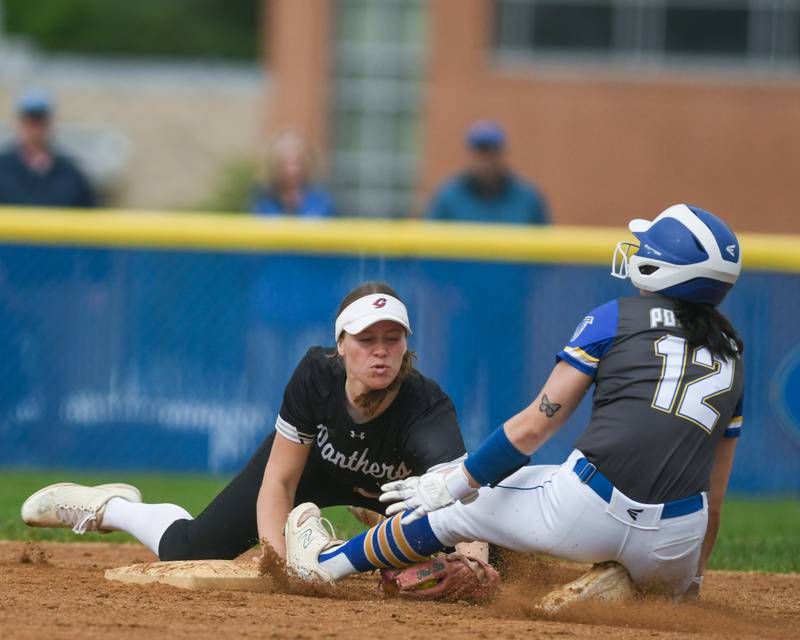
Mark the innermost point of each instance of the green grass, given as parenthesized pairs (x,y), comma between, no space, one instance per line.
(192,492)
(759,535)
(756,534)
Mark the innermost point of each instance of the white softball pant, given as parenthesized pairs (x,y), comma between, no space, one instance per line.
(548,509)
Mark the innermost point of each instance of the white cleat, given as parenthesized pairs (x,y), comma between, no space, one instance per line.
(78,507)
(608,581)
(307,537)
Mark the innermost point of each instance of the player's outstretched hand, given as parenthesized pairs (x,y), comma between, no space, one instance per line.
(451,577)
(418,495)
(407,495)
(484,573)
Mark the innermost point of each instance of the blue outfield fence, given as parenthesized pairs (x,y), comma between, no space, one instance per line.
(153,359)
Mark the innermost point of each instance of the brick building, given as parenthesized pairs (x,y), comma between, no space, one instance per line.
(614,108)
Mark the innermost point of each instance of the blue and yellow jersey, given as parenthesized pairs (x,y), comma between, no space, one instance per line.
(660,404)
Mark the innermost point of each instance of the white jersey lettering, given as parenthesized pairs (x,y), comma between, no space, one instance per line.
(662,318)
(358,460)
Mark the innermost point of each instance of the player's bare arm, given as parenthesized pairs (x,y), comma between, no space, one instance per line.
(560,396)
(276,496)
(720,474)
(508,449)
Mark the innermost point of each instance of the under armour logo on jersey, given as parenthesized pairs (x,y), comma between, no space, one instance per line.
(634,513)
(731,249)
(358,434)
(380,303)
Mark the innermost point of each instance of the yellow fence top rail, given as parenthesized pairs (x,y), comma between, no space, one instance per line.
(391,238)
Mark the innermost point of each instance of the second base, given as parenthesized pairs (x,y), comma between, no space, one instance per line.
(220,575)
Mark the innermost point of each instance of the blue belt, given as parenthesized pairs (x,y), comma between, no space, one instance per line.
(597,482)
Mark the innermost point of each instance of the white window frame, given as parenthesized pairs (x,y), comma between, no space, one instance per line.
(772,36)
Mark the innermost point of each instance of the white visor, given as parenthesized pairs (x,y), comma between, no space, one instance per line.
(366,311)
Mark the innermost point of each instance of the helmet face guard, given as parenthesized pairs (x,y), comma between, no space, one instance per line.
(621,260)
(685,253)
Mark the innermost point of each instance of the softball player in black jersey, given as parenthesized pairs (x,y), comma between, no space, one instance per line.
(353,418)
(644,486)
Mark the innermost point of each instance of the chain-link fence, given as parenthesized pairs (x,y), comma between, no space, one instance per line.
(177,360)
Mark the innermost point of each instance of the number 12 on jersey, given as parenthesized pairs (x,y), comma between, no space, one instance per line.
(692,405)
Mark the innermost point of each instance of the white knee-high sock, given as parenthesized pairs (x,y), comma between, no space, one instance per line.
(145,522)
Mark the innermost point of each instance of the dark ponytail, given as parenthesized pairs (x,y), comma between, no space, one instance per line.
(707,327)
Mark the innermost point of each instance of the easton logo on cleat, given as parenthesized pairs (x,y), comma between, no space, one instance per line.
(634,513)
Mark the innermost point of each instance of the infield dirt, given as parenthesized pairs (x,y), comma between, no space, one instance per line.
(54,590)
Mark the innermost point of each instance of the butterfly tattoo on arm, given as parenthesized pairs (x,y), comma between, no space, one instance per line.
(547,407)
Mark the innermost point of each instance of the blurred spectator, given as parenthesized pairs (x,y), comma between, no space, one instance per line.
(288,189)
(487,190)
(32,172)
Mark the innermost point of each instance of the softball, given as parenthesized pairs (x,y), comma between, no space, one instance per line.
(427,584)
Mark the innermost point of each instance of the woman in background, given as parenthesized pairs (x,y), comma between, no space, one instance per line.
(288,188)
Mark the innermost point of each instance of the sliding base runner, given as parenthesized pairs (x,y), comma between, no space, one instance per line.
(644,486)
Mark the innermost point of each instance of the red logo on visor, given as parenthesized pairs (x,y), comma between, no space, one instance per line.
(380,303)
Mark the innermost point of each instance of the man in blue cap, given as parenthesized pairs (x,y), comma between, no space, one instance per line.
(31,172)
(488,191)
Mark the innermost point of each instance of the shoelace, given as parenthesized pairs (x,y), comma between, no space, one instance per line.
(83,519)
(334,542)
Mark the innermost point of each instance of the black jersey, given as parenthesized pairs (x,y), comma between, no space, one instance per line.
(660,406)
(418,431)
